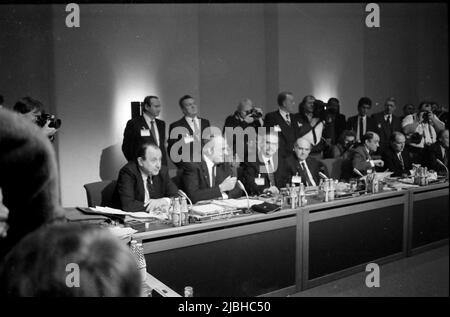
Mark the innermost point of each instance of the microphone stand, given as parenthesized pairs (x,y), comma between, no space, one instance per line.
(440,163)
(246,194)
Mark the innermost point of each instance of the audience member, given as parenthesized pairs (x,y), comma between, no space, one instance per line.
(70,260)
(28,178)
(311,117)
(437,154)
(334,121)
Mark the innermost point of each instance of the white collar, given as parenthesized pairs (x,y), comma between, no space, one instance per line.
(190,119)
(283,113)
(266,159)
(148,118)
(208,162)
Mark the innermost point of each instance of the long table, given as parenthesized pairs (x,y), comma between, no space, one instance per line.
(291,250)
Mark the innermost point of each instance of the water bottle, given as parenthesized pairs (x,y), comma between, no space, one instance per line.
(188,291)
(184,211)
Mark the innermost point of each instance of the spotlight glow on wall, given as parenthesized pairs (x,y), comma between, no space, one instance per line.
(325,85)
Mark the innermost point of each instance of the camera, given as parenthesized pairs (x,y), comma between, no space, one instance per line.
(44,117)
(254,113)
(426,116)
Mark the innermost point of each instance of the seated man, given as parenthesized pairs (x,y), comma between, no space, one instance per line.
(437,153)
(263,175)
(344,144)
(302,165)
(211,178)
(396,158)
(145,185)
(361,158)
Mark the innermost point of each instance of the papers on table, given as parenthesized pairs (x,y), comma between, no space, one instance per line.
(122,233)
(139,215)
(220,206)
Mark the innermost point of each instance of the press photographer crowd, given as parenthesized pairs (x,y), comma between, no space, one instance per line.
(297,140)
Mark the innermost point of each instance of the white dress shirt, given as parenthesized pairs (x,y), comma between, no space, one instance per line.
(191,123)
(210,166)
(364,127)
(285,115)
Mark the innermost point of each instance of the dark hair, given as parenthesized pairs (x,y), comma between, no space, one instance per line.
(440,133)
(408,104)
(367,137)
(1,99)
(183,99)
(38,265)
(364,101)
(394,135)
(345,134)
(333,99)
(423,103)
(27,104)
(142,148)
(147,100)
(282,97)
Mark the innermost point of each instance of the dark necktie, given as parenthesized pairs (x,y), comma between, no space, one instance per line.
(153,128)
(445,157)
(361,128)
(288,119)
(305,172)
(270,173)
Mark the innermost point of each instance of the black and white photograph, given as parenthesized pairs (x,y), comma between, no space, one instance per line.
(233,152)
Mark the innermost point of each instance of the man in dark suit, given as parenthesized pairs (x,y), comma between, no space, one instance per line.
(438,151)
(361,123)
(187,135)
(334,121)
(285,123)
(396,159)
(212,177)
(143,184)
(263,175)
(145,128)
(301,165)
(361,157)
(386,123)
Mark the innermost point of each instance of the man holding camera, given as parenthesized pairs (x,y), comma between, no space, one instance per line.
(246,116)
(32,110)
(421,130)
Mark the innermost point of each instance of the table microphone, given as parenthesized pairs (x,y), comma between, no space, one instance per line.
(440,163)
(358,172)
(246,194)
(183,194)
(322,175)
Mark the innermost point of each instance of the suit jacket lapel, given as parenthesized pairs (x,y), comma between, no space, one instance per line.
(140,193)
(186,125)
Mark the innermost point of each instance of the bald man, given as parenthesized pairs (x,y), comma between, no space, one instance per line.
(212,178)
(300,164)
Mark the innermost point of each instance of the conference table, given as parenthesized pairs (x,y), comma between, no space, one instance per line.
(291,250)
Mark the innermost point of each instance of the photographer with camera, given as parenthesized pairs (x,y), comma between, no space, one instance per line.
(421,130)
(246,115)
(345,142)
(32,110)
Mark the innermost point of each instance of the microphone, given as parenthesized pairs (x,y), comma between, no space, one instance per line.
(322,175)
(440,163)
(183,194)
(355,170)
(246,194)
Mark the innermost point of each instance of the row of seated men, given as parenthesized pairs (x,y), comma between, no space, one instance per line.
(144,183)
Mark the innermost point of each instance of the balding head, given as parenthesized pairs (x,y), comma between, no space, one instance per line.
(302,148)
(216,149)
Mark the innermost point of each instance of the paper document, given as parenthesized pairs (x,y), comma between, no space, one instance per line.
(140,214)
(237,203)
(122,232)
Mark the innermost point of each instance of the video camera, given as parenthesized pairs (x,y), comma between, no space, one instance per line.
(46,117)
(254,113)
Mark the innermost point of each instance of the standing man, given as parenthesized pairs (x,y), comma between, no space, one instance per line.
(285,123)
(361,123)
(334,121)
(386,123)
(145,128)
(396,158)
(188,130)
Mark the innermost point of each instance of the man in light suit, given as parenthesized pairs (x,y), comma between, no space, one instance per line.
(144,184)
(212,178)
(302,165)
(145,128)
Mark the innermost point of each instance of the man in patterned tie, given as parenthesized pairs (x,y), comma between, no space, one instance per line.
(144,184)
